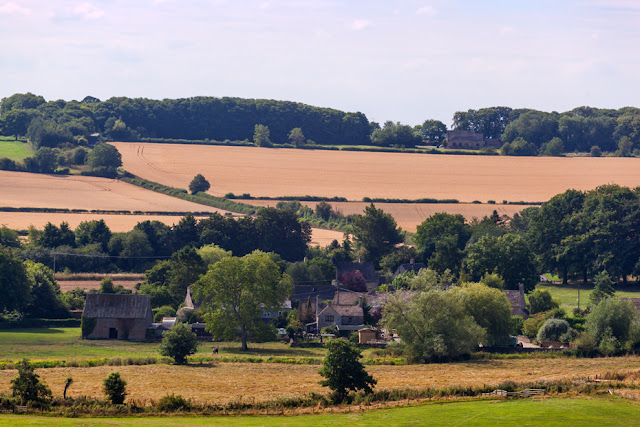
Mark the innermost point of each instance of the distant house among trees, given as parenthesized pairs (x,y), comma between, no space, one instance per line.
(470,140)
(116,316)
(347,272)
(410,266)
(518,304)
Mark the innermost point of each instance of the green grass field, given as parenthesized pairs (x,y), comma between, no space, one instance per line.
(567,295)
(581,411)
(15,150)
(65,343)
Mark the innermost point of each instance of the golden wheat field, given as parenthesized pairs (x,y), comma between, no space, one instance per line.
(224,382)
(354,175)
(410,215)
(21,189)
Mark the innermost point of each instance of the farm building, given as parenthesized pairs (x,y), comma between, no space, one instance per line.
(116,316)
(470,139)
(367,336)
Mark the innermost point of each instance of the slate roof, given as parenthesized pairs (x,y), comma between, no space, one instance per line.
(349,310)
(415,267)
(118,306)
(516,299)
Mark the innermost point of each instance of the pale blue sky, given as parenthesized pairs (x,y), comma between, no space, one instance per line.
(400,60)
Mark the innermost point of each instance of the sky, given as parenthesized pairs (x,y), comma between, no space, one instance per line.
(399,60)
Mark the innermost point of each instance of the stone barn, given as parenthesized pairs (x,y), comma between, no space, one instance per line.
(116,316)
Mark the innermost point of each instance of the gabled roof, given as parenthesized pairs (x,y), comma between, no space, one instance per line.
(410,266)
(348,298)
(349,310)
(367,269)
(516,298)
(117,306)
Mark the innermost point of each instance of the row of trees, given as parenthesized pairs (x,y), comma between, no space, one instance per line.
(574,233)
(55,122)
(579,129)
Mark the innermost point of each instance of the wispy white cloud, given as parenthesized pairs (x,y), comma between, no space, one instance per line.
(427,11)
(360,24)
(87,11)
(14,9)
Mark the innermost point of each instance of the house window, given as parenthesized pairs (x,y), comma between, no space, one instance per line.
(328,318)
(350,320)
(267,314)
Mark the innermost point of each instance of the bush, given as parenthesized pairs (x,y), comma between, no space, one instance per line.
(178,343)
(517,325)
(115,388)
(541,300)
(611,318)
(172,403)
(552,330)
(164,311)
(596,151)
(27,386)
(198,184)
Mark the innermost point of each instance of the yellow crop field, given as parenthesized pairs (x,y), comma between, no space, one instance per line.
(223,382)
(354,175)
(410,215)
(20,189)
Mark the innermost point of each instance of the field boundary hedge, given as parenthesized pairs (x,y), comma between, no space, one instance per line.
(99,211)
(200,198)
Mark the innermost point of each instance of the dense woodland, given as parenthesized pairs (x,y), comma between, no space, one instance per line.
(264,122)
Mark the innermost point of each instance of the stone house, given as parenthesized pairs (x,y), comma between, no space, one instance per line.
(117,316)
(410,266)
(470,140)
(344,317)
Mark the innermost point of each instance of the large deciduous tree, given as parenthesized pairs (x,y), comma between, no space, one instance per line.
(441,240)
(507,255)
(233,291)
(433,325)
(104,155)
(395,134)
(15,286)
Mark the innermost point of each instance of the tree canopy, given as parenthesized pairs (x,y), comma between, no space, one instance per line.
(233,291)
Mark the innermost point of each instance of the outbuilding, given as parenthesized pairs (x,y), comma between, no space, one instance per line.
(116,316)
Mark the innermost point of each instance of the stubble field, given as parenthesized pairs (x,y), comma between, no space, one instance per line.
(224,382)
(354,175)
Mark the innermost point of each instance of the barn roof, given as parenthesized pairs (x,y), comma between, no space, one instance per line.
(120,306)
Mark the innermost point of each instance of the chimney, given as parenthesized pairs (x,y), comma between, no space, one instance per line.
(521,288)
(412,261)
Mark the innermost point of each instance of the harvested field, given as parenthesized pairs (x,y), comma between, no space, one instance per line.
(224,382)
(68,285)
(410,215)
(354,175)
(21,189)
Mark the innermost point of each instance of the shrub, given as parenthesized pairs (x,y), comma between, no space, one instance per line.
(178,343)
(541,300)
(517,325)
(164,311)
(552,330)
(115,388)
(172,403)
(596,151)
(27,385)
(611,318)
